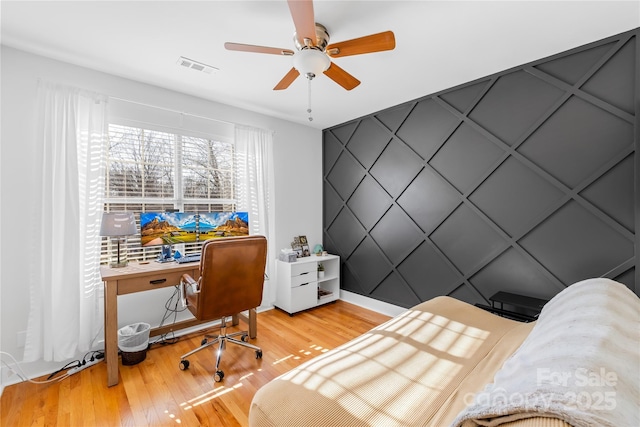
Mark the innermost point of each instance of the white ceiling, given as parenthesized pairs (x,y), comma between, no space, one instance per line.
(439,44)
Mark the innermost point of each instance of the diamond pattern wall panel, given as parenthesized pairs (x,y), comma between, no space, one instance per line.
(612,82)
(369,265)
(514,197)
(396,234)
(558,146)
(425,261)
(428,200)
(467,240)
(346,233)
(514,103)
(511,272)
(573,244)
(465,157)
(396,167)
(332,204)
(369,202)
(619,204)
(570,68)
(345,175)
(331,150)
(523,181)
(426,127)
(394,290)
(393,117)
(463,99)
(367,142)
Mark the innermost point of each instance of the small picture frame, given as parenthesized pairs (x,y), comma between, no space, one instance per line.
(301,246)
(305,246)
(297,247)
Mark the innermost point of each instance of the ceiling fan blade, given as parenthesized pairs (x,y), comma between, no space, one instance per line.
(341,77)
(367,44)
(257,49)
(287,79)
(303,19)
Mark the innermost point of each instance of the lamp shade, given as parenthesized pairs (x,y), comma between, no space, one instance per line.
(118,224)
(311,61)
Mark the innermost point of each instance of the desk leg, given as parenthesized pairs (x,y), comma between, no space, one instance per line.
(252,321)
(111,331)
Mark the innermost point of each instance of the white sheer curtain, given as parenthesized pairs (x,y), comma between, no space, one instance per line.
(254,177)
(65,285)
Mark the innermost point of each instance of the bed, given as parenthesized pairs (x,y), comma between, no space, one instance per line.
(445,362)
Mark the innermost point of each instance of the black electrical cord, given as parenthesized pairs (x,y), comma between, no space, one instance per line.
(171,308)
(95,355)
(74,364)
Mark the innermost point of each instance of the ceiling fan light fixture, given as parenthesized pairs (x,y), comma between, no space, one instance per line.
(311,62)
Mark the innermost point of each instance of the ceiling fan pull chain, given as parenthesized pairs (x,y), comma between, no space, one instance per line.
(309,100)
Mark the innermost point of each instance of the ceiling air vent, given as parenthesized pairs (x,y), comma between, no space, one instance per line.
(195,65)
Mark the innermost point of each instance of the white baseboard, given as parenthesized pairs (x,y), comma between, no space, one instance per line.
(371,304)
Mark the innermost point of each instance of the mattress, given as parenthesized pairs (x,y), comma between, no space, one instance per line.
(420,368)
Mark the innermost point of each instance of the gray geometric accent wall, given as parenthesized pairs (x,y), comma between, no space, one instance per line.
(524,181)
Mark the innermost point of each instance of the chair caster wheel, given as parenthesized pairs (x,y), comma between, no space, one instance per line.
(218,376)
(258,354)
(184,365)
(203,342)
(244,338)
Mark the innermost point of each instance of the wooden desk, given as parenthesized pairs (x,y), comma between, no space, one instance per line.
(144,277)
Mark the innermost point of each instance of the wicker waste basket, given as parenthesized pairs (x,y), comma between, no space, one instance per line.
(133,341)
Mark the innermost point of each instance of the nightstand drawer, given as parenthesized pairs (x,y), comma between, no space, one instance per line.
(303,268)
(304,278)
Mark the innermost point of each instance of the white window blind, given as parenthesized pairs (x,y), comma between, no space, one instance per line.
(149,170)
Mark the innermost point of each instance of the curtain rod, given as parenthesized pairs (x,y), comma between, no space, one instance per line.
(171,110)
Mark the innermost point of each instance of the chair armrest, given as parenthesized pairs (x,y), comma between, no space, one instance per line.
(189,281)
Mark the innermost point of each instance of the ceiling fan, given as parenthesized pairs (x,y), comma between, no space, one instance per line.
(314,53)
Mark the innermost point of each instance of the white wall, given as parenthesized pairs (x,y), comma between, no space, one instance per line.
(297,194)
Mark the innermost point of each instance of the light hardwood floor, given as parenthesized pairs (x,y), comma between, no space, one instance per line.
(157,393)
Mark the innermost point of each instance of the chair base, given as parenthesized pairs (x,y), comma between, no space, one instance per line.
(221,339)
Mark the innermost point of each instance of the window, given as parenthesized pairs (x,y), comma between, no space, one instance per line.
(156,170)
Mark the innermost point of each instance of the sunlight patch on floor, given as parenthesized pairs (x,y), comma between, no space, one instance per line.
(283,359)
(246,376)
(173,417)
(210,395)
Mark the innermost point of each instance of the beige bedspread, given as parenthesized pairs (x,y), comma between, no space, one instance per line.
(420,368)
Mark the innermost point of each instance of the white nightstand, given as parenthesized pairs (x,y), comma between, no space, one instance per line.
(300,288)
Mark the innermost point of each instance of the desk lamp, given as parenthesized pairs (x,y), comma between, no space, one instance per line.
(117,225)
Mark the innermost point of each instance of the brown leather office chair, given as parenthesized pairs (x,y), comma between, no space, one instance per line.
(231,281)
